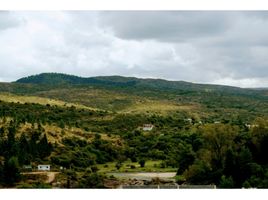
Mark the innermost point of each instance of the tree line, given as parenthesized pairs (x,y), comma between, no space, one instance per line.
(17,151)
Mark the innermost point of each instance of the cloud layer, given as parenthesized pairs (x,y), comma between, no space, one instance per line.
(200,46)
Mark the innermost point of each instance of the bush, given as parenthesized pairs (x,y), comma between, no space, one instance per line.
(86,128)
(118,165)
(92,180)
(246,184)
(162,165)
(133,159)
(142,163)
(94,168)
(226,182)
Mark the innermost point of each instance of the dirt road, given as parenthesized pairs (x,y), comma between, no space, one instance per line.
(50,175)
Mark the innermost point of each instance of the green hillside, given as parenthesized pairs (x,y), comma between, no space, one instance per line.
(131,83)
(144,96)
(117,93)
(208,134)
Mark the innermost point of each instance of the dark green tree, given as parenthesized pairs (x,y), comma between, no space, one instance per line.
(44,147)
(230,163)
(11,146)
(142,162)
(226,182)
(11,171)
(92,180)
(24,149)
(186,158)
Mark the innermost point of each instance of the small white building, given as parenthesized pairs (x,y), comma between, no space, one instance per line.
(190,120)
(147,127)
(43,167)
(249,126)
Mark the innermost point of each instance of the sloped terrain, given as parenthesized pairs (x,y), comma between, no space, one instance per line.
(93,126)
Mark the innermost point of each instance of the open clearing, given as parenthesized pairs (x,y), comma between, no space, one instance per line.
(153,166)
(7,97)
(144,175)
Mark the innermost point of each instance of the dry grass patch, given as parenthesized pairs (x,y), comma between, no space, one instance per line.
(7,97)
(158,107)
(55,134)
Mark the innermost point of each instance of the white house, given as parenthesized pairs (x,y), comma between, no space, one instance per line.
(251,125)
(190,120)
(147,127)
(43,167)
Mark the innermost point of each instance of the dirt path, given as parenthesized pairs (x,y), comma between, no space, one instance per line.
(50,175)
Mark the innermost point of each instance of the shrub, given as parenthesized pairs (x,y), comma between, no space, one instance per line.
(142,162)
(118,165)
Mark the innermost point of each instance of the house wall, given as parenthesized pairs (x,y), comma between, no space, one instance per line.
(43,167)
(147,128)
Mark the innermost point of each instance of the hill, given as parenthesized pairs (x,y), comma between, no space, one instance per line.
(133,95)
(91,126)
(129,82)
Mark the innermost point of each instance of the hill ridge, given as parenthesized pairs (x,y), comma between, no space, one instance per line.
(76,79)
(131,83)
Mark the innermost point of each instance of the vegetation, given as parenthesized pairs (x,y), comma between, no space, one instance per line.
(87,127)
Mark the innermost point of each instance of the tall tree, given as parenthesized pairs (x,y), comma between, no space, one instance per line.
(11,146)
(24,150)
(219,138)
(11,171)
(44,147)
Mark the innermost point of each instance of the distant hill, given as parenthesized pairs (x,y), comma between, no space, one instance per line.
(137,95)
(57,78)
(129,82)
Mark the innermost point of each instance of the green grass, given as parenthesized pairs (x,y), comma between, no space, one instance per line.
(8,97)
(150,166)
(180,178)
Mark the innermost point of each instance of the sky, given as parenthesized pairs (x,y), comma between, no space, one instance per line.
(215,47)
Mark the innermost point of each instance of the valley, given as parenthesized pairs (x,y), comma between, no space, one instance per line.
(91,129)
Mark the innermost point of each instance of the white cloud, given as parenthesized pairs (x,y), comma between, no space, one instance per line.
(208,47)
(245,83)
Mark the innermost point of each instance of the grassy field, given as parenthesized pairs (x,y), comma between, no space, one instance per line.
(162,107)
(150,166)
(102,100)
(90,97)
(8,97)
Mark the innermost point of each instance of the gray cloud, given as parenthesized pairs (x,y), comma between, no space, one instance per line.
(167,26)
(201,46)
(7,20)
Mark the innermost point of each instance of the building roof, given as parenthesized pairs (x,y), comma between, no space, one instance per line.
(148,125)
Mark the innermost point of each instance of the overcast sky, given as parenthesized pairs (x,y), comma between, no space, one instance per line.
(229,48)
